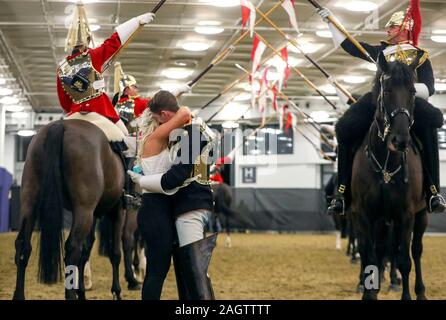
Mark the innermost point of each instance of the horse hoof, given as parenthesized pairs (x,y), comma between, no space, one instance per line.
(117,296)
(421,297)
(360,288)
(394,288)
(88,286)
(354,261)
(18,296)
(134,286)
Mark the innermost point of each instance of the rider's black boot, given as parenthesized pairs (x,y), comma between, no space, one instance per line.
(338,204)
(430,157)
(191,266)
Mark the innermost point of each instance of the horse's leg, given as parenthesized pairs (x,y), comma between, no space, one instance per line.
(86,251)
(128,241)
(380,249)
(81,227)
(117,219)
(360,287)
(404,234)
(417,250)
(395,282)
(369,258)
(23,250)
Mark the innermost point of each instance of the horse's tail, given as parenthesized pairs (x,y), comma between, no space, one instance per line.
(50,206)
(104,236)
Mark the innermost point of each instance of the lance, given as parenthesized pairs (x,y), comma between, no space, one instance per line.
(233,84)
(288,100)
(308,81)
(298,47)
(133,35)
(220,57)
(341,28)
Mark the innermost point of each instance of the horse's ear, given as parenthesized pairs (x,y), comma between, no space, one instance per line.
(382,63)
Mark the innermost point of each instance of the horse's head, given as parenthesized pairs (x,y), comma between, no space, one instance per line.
(395,96)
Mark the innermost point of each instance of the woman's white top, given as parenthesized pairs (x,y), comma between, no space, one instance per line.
(160,163)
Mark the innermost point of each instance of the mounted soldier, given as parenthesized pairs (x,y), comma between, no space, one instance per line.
(403,31)
(80,83)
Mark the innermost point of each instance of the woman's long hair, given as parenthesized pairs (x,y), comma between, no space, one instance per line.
(147,125)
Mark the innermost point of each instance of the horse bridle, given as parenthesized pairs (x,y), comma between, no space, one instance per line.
(387,118)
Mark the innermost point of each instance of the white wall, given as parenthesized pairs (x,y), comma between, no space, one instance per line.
(300,170)
(9,156)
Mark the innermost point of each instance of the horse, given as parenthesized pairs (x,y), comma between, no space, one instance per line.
(70,164)
(222,195)
(132,247)
(387,181)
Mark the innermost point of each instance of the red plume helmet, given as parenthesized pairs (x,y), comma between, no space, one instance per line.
(413,17)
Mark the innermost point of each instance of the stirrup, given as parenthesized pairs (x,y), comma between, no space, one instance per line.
(441,205)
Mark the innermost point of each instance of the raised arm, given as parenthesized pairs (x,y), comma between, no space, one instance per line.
(181,118)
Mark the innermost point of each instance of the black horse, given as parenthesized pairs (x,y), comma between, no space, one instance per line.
(387,183)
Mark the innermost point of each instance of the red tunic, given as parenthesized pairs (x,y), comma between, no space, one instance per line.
(101,104)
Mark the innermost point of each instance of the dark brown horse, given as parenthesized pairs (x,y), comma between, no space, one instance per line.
(70,164)
(387,183)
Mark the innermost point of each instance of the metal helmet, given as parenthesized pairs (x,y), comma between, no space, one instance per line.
(79,32)
(399,19)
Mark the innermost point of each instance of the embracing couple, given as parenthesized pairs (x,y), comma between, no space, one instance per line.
(177,198)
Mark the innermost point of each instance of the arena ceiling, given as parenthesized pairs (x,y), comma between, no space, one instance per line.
(32,37)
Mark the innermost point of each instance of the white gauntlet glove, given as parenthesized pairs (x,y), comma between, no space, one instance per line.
(324,13)
(183,88)
(145,18)
(136,177)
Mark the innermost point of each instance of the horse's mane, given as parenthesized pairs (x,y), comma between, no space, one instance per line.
(400,75)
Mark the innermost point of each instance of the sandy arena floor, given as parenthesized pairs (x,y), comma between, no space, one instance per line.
(257,266)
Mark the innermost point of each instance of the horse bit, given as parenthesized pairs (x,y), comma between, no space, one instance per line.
(377,167)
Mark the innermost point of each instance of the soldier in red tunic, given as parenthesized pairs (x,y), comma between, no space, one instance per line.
(80,84)
(127,100)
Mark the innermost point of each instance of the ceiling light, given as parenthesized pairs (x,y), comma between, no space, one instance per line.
(177,73)
(359,6)
(440,39)
(26,133)
(14,108)
(19,115)
(279,63)
(5,92)
(306,46)
(354,79)
(222,3)
(9,100)
(209,29)
(209,23)
(243,97)
(371,67)
(94,27)
(230,125)
(320,116)
(324,34)
(328,88)
(440,87)
(195,46)
(2,81)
